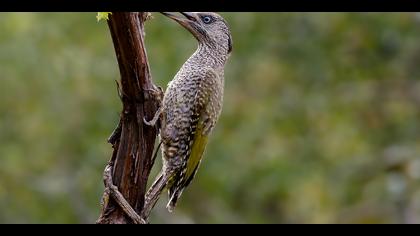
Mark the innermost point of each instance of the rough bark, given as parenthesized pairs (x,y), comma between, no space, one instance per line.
(132,141)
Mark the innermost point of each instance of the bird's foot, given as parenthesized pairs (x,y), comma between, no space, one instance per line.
(111,191)
(156,92)
(155,119)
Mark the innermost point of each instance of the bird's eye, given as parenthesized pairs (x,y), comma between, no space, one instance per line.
(207,19)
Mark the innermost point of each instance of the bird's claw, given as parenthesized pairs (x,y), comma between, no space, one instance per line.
(155,119)
(149,123)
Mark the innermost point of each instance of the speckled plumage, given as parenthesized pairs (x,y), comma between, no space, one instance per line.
(192,105)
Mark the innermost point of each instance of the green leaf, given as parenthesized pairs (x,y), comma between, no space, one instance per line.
(103,15)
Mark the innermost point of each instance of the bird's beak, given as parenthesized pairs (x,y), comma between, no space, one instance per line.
(189,22)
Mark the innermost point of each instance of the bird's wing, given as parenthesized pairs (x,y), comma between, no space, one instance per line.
(199,136)
(197,150)
(202,100)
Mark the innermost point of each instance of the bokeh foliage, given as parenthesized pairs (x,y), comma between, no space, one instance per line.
(321,119)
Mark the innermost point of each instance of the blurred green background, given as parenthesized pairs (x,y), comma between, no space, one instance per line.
(321,118)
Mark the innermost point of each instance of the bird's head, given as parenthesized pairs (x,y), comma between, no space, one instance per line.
(207,27)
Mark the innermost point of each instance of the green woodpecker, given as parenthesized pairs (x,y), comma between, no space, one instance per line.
(191,105)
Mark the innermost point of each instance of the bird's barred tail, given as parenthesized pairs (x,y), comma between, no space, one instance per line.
(152,196)
(173,200)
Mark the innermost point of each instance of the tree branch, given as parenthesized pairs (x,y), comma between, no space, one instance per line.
(132,141)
